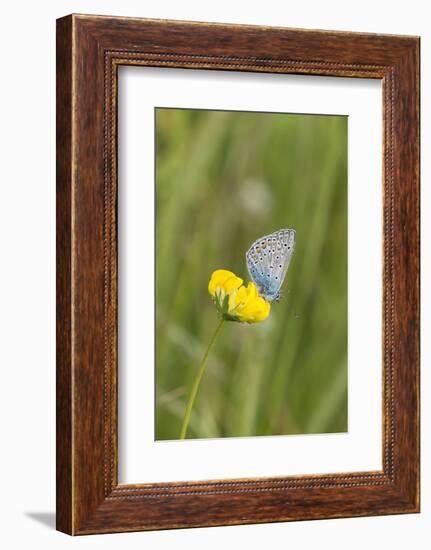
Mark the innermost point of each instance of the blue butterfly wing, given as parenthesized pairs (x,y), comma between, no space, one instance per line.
(283,245)
(256,269)
(268,259)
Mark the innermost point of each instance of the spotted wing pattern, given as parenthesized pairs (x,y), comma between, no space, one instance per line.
(268,260)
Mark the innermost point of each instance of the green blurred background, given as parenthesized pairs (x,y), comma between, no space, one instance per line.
(223,179)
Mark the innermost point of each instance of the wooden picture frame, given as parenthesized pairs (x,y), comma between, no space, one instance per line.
(89,51)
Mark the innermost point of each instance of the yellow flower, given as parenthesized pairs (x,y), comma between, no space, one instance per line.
(247,306)
(223,282)
(236,302)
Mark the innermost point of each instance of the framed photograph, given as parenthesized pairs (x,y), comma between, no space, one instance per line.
(237,274)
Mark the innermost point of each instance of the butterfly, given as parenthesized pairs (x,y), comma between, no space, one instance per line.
(267,261)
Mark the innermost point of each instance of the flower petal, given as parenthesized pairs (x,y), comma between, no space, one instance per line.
(224,279)
(236,302)
(262,313)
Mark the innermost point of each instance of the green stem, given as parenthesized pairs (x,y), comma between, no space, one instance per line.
(197,381)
